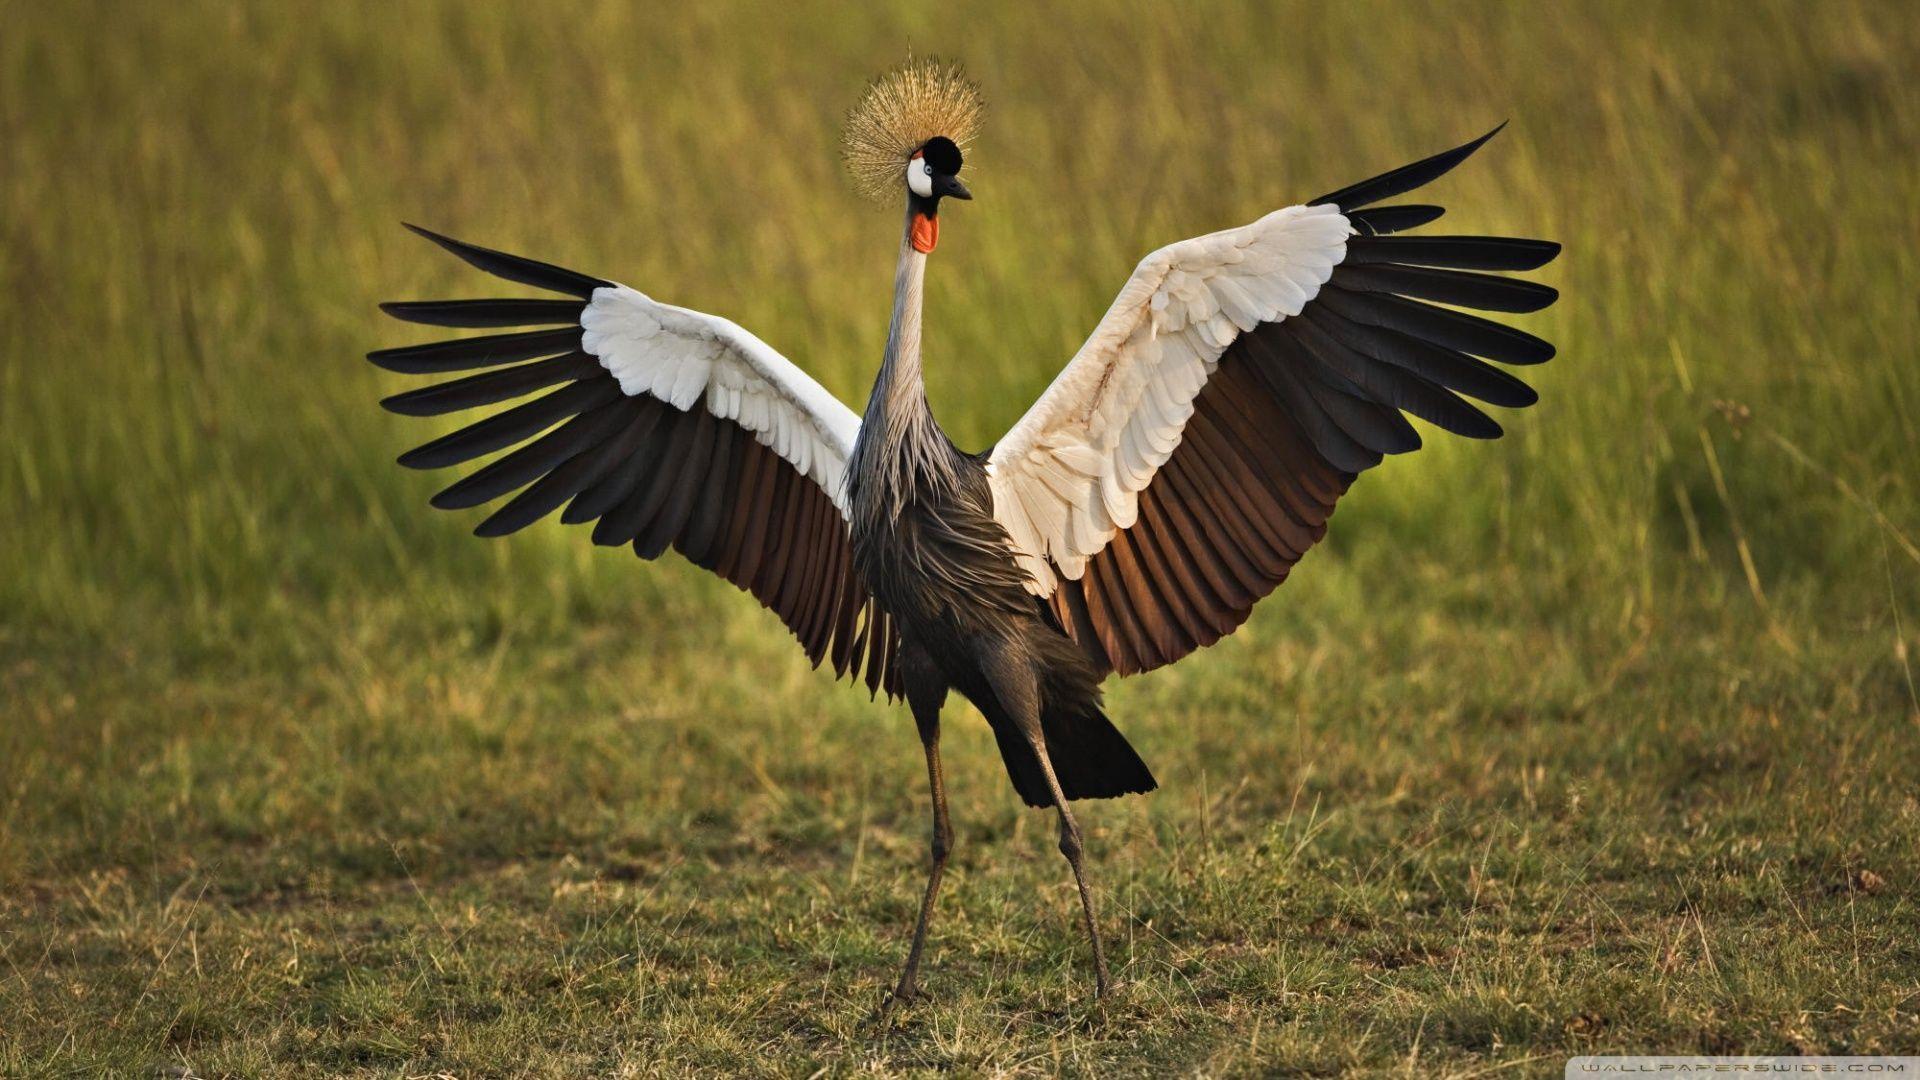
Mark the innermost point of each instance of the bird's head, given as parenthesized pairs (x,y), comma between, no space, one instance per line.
(907,132)
(933,173)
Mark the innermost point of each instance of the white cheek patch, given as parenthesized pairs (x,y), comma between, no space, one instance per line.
(920,178)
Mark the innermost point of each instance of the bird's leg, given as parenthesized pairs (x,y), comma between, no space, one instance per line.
(908,987)
(925,696)
(1070,847)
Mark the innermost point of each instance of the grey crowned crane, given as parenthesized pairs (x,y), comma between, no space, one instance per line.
(1171,476)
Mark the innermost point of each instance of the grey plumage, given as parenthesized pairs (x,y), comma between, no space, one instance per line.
(927,545)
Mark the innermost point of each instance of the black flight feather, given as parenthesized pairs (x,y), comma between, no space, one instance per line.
(465,353)
(1381,220)
(1403,179)
(1461,288)
(491,387)
(515,268)
(478,313)
(1454,252)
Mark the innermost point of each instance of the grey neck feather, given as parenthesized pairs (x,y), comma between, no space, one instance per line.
(901,453)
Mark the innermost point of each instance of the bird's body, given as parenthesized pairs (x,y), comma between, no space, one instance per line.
(1176,470)
(924,537)
(927,546)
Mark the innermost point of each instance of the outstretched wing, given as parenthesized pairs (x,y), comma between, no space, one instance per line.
(669,428)
(1193,449)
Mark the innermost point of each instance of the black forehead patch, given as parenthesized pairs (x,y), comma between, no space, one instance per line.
(942,155)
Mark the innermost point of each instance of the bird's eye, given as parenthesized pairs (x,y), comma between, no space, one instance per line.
(920,178)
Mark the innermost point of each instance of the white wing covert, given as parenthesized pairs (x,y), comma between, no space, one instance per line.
(685,357)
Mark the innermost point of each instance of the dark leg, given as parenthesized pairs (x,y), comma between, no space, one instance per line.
(926,692)
(1009,668)
(1070,847)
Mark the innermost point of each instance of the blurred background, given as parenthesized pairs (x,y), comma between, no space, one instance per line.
(1601,735)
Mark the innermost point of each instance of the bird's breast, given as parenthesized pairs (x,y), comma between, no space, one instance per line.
(943,561)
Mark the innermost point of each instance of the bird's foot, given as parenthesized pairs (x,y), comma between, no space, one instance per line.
(905,994)
(1111,997)
(1102,982)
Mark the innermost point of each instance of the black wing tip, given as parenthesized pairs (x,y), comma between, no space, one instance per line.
(393,359)
(1475,143)
(1405,178)
(1489,430)
(454,498)
(1387,220)
(1544,252)
(489,313)
(457,247)
(1448,252)
(421,230)
(439,239)
(540,275)
(401,405)
(1467,149)
(1471,422)
(414,459)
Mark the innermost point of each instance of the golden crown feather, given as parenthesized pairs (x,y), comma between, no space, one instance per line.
(900,111)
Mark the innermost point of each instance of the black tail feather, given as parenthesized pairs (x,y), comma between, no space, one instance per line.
(1090,757)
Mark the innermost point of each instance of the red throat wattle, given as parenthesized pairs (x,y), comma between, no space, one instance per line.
(926,232)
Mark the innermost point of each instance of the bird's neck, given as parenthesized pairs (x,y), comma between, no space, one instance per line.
(901,452)
(900,390)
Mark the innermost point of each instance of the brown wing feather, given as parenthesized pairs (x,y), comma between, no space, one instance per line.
(1220,527)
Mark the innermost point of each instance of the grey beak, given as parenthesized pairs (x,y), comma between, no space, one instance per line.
(951,187)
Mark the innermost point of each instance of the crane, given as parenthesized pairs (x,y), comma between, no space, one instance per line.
(1171,476)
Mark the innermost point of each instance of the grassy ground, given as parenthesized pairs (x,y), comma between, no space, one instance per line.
(1600,738)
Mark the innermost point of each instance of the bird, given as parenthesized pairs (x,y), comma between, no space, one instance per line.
(1171,476)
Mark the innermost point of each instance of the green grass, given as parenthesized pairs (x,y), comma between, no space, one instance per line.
(1600,738)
